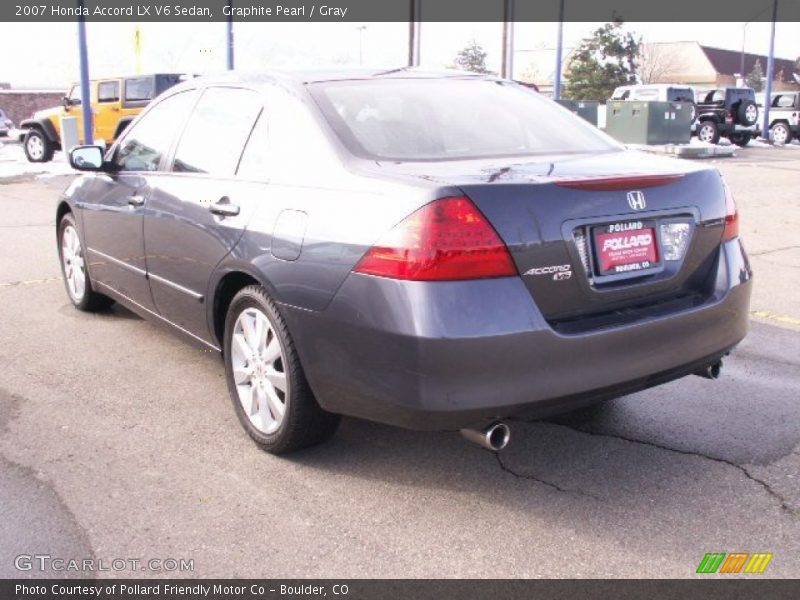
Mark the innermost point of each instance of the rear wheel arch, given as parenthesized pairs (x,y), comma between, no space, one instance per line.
(226,289)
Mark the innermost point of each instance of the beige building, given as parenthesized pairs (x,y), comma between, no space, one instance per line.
(665,62)
(703,66)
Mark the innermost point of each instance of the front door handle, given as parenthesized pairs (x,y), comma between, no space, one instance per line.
(224,208)
(136,200)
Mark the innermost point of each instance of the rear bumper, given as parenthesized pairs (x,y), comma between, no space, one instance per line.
(455,354)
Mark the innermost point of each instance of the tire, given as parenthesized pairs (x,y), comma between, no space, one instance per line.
(278,420)
(707,131)
(740,139)
(73,269)
(781,134)
(747,113)
(37,147)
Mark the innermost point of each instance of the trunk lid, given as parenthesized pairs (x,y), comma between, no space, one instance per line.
(547,210)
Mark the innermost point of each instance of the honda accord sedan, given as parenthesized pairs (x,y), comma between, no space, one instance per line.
(437,251)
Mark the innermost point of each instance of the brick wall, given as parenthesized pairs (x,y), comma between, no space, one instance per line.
(21,104)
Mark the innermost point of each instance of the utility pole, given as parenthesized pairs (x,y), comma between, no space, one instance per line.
(507,63)
(770,72)
(413,33)
(229,41)
(361,29)
(559,47)
(86,97)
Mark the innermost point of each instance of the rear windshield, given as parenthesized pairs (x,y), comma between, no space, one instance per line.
(451,119)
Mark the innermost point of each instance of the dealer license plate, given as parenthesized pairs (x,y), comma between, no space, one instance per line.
(625,247)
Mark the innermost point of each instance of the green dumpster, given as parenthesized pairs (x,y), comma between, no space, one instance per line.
(586,109)
(649,122)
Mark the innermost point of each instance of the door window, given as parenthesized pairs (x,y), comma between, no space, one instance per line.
(783,101)
(217,131)
(149,139)
(255,158)
(108,91)
(140,88)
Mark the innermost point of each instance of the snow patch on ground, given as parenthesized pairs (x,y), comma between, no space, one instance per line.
(13,164)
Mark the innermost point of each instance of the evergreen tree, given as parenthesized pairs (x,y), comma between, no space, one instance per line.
(472,58)
(755,79)
(602,62)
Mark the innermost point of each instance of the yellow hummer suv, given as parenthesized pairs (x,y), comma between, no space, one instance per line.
(115,103)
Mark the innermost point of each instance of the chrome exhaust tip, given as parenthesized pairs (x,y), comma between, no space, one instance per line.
(494,437)
(712,371)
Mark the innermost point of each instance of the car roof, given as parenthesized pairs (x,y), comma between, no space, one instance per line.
(658,86)
(303,76)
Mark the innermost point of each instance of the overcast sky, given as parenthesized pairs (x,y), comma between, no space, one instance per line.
(45,54)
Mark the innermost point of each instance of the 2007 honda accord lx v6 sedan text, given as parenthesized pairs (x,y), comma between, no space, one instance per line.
(430,250)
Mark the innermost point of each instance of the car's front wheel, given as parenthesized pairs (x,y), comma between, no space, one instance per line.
(781,134)
(267,385)
(708,132)
(73,268)
(37,147)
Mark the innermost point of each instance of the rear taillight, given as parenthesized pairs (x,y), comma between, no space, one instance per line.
(731,216)
(448,239)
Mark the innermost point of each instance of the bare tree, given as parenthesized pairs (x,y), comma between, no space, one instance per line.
(660,63)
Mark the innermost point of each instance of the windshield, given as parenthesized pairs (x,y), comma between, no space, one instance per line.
(451,119)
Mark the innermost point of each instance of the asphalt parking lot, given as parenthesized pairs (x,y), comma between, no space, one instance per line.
(117,440)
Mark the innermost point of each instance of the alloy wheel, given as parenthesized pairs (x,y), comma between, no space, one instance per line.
(258,364)
(72,259)
(706,133)
(779,135)
(751,113)
(35,146)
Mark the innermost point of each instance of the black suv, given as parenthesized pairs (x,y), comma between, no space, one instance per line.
(728,112)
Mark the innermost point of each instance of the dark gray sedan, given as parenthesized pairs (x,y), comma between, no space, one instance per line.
(429,250)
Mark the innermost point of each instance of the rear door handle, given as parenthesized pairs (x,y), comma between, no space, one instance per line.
(136,200)
(224,208)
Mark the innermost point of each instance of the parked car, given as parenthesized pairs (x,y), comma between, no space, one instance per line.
(727,112)
(655,92)
(428,250)
(784,116)
(115,103)
(6,124)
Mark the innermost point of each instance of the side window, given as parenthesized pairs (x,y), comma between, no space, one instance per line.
(140,88)
(108,91)
(255,158)
(295,140)
(647,94)
(680,95)
(149,139)
(215,134)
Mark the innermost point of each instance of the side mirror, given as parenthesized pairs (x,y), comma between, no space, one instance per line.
(86,158)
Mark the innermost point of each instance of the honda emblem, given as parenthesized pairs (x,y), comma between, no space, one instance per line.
(636,200)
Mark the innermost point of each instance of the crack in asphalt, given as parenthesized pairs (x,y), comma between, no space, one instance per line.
(549,484)
(765,252)
(783,502)
(29,282)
